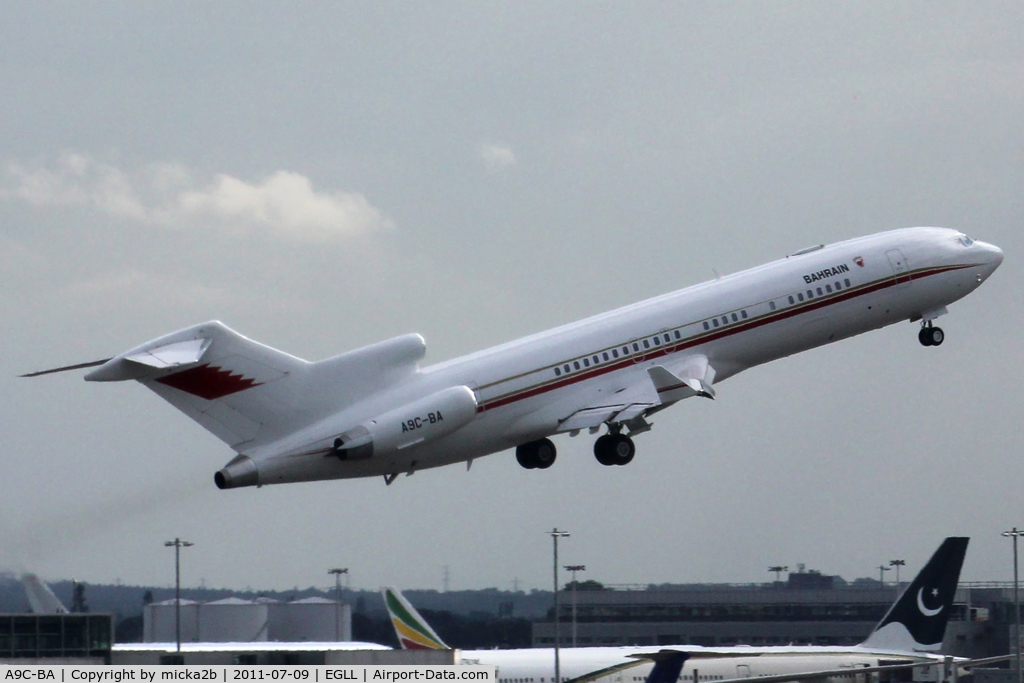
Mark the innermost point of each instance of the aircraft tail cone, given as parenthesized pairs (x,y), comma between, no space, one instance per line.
(241,471)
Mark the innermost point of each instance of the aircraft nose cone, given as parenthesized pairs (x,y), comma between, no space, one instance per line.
(995,255)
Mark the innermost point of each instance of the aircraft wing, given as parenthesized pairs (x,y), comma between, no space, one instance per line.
(620,406)
(661,385)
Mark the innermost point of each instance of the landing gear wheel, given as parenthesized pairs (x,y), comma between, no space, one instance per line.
(931,336)
(624,449)
(544,454)
(524,456)
(603,450)
(614,449)
(536,454)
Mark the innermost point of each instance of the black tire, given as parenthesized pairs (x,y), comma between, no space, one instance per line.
(623,449)
(603,450)
(925,336)
(937,336)
(544,454)
(525,456)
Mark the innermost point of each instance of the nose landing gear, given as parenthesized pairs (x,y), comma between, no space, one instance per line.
(930,335)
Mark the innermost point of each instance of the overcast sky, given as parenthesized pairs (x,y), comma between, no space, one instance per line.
(321,176)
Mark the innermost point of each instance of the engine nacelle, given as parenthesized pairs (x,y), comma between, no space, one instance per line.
(426,419)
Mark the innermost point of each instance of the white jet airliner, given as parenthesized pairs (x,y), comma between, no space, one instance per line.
(374,411)
(909,635)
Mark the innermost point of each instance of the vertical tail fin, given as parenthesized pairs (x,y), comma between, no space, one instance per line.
(247,393)
(413,631)
(917,620)
(668,664)
(40,598)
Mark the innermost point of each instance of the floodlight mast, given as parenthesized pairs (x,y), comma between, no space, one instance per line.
(778,569)
(178,544)
(574,568)
(897,564)
(337,598)
(1014,534)
(555,535)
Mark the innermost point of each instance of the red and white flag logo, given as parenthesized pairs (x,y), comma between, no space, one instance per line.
(859,260)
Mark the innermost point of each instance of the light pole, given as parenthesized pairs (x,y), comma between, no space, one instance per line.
(881,579)
(1016,604)
(897,564)
(574,568)
(178,545)
(337,598)
(778,569)
(555,535)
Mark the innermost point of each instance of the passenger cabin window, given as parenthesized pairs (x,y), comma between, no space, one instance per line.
(586,362)
(576,364)
(828,288)
(668,338)
(558,372)
(791,300)
(819,291)
(771,305)
(636,347)
(734,317)
(625,350)
(837,286)
(706,326)
(743,314)
(615,353)
(678,336)
(647,344)
(605,356)
(657,342)
(810,294)
(725,320)
(596,360)
(846,281)
(800,296)
(566,367)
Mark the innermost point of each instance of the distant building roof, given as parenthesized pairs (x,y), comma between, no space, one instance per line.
(258,646)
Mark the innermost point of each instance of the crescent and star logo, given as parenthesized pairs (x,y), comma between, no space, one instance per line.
(920,603)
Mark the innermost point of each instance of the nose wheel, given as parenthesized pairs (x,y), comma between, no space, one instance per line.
(931,335)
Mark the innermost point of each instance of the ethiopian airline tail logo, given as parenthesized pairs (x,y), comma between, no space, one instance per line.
(413,632)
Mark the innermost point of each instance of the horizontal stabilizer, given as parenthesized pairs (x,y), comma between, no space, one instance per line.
(172,355)
(77,366)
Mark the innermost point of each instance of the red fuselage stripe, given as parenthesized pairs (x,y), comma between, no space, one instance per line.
(713,336)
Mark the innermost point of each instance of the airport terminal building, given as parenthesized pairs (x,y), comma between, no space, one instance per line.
(816,612)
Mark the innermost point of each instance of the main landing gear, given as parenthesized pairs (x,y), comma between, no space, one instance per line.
(536,454)
(930,335)
(614,448)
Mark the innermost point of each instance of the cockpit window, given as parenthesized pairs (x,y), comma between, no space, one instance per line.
(964,240)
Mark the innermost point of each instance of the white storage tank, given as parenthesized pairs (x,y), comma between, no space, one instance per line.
(158,622)
(233,620)
(310,620)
